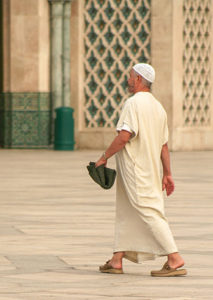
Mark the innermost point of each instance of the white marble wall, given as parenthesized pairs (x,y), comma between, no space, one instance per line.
(26,45)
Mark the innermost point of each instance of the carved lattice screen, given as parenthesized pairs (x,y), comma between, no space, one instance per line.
(116,36)
(196,62)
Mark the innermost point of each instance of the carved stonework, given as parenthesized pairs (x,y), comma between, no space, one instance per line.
(196,62)
(116,36)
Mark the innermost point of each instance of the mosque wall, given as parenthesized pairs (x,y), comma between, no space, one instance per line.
(112,36)
(107,38)
(174,36)
(182,51)
(193,127)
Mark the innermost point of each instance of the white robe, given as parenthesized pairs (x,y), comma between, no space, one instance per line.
(141,228)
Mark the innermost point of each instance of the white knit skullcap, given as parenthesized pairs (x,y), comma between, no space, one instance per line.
(146,71)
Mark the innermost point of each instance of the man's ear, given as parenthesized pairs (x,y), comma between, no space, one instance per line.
(139,78)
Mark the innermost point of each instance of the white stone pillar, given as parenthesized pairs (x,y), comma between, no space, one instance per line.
(60,52)
(66,52)
(56,51)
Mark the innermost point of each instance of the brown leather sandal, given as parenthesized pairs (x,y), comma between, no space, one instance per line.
(107,268)
(167,271)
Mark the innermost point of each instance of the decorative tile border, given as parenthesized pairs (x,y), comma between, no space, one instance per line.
(25,120)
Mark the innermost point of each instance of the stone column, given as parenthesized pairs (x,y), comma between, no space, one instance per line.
(60,52)
(66,53)
(56,51)
(25,96)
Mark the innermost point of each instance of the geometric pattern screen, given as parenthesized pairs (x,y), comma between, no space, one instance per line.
(196,62)
(116,36)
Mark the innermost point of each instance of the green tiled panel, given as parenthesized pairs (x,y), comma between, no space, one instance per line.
(25,120)
(1,46)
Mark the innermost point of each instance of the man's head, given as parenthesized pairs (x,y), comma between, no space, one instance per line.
(141,78)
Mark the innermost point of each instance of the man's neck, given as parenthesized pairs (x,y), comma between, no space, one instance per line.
(142,89)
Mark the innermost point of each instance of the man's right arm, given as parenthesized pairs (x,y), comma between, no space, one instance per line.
(118,143)
(167,181)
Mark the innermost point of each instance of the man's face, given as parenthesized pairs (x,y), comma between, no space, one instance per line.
(132,81)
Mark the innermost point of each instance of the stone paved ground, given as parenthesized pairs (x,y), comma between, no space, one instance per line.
(56,227)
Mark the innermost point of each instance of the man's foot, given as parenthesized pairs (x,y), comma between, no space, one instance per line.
(108,268)
(167,271)
(175,261)
(114,265)
(116,260)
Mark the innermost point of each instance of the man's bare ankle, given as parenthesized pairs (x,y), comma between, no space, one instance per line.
(175,260)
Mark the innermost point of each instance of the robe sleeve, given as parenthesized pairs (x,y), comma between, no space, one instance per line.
(129,117)
(125,127)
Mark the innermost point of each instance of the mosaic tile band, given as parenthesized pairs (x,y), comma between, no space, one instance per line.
(25,120)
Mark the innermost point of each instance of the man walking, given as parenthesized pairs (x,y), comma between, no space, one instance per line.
(141,228)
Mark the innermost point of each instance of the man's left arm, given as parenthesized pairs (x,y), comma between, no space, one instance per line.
(167,181)
(118,143)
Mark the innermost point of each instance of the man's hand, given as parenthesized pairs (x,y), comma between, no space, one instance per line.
(100,162)
(168,184)
(118,143)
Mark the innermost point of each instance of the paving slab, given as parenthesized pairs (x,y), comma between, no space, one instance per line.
(57,226)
